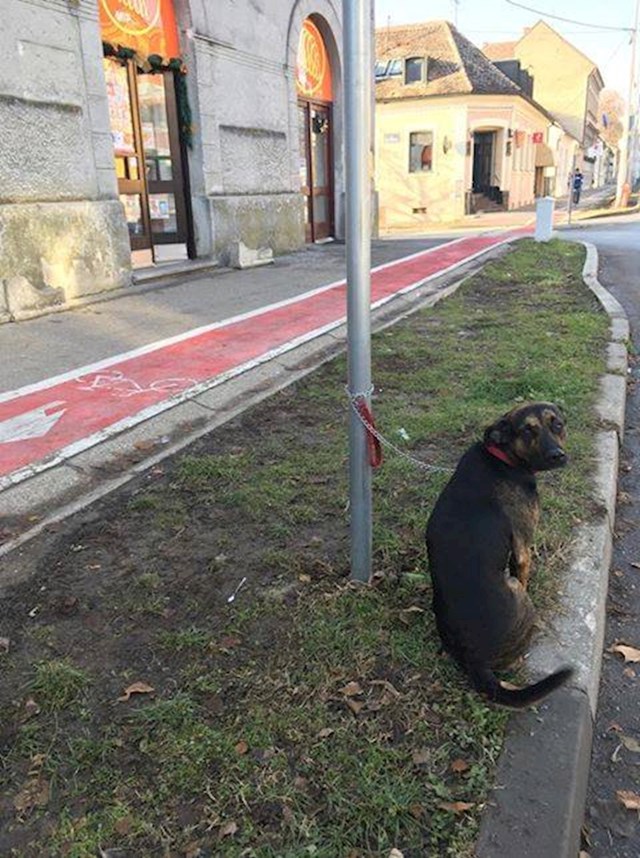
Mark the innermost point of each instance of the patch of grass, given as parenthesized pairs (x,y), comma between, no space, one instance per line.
(58,685)
(185,639)
(311,717)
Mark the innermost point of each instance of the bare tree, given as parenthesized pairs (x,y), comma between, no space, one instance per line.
(611,110)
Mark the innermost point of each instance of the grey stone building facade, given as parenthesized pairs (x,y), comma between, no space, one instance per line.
(98,170)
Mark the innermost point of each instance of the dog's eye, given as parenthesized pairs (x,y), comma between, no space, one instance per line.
(557,426)
(529,432)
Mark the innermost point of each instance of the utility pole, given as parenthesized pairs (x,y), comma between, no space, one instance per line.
(358,79)
(628,139)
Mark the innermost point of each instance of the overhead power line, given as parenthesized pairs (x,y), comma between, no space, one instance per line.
(570,20)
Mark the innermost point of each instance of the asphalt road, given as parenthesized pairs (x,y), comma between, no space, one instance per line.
(610,829)
(56,343)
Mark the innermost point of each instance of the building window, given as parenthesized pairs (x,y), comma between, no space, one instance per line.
(414,70)
(382,67)
(421,152)
(388,68)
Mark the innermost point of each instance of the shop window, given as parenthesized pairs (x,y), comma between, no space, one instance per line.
(414,70)
(421,152)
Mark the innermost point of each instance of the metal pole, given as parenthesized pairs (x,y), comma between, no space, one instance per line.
(570,202)
(626,147)
(358,77)
(633,101)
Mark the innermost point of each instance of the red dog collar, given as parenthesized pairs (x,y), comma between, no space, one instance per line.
(500,454)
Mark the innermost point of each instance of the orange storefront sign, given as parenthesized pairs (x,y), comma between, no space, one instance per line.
(147,26)
(313,71)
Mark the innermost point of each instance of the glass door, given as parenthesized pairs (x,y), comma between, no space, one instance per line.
(321,171)
(144,129)
(305,168)
(316,169)
(163,165)
(127,150)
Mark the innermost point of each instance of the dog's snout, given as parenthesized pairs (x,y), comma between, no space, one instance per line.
(557,456)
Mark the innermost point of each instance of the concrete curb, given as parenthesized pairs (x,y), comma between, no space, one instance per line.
(537,807)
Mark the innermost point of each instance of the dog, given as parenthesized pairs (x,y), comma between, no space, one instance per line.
(479,538)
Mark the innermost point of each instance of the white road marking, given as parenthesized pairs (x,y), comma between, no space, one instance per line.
(30,424)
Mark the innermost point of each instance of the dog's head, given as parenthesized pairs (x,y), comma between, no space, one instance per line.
(532,435)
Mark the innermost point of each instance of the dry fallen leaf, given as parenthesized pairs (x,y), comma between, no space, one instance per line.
(287,814)
(136,688)
(420,757)
(459,766)
(351,689)
(629,672)
(456,806)
(629,653)
(123,825)
(630,744)
(325,732)
(34,793)
(4,644)
(241,747)
(354,705)
(630,800)
(228,829)
(387,686)
(396,853)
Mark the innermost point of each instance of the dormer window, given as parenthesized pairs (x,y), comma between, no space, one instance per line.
(382,67)
(388,68)
(414,69)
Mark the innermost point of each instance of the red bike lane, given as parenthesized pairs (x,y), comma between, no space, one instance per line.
(56,418)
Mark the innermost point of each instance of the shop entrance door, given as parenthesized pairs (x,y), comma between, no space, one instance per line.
(483,161)
(316,169)
(149,164)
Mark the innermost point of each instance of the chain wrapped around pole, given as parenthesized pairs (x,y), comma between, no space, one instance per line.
(359,404)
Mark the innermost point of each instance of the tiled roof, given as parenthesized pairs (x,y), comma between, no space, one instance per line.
(456,66)
(499,50)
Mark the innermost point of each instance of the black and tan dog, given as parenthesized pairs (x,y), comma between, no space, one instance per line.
(479,539)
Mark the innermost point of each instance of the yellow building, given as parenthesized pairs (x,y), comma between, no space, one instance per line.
(454,135)
(565,82)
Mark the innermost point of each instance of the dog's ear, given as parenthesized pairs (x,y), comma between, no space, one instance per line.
(499,433)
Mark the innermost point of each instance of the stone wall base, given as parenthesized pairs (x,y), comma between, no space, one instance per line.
(268,220)
(51,253)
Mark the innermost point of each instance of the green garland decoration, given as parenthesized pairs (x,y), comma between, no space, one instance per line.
(153,64)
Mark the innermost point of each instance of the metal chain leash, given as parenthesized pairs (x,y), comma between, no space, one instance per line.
(353,398)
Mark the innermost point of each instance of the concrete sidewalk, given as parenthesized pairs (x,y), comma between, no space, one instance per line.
(591,203)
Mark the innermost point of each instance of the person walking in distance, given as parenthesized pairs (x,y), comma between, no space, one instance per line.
(576,185)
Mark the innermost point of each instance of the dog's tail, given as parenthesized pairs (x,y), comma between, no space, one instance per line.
(486,682)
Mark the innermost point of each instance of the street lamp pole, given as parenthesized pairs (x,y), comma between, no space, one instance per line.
(358,78)
(627,141)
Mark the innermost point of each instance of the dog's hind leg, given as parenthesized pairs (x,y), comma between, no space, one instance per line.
(520,561)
